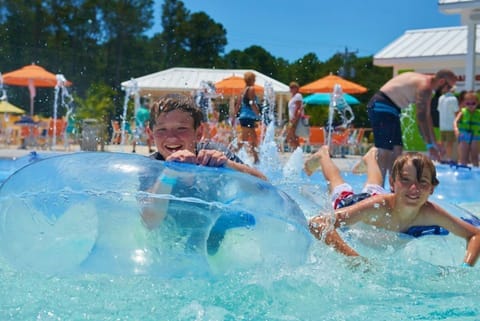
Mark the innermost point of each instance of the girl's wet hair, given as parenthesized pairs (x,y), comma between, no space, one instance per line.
(171,102)
(419,161)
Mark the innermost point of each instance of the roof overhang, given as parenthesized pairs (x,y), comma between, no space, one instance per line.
(457,6)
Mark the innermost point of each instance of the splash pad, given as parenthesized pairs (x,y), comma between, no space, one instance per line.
(398,278)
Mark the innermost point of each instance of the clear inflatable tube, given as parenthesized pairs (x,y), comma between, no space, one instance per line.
(82,212)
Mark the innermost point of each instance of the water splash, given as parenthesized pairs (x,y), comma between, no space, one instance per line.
(2,89)
(129,91)
(66,100)
(340,105)
(408,120)
(268,106)
(294,166)
(203,98)
(270,162)
(268,149)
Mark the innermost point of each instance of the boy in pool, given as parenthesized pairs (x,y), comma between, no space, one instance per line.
(176,123)
(412,181)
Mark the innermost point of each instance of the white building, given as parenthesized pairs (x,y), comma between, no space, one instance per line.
(428,50)
(188,80)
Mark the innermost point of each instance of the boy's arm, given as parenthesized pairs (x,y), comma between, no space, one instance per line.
(154,209)
(473,249)
(361,211)
(437,215)
(216,158)
(245,169)
(320,225)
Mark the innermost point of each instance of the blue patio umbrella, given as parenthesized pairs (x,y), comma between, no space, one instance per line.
(324,99)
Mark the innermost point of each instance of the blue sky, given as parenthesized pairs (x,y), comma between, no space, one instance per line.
(290,29)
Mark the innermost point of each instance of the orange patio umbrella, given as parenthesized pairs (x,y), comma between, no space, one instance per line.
(32,76)
(327,83)
(234,85)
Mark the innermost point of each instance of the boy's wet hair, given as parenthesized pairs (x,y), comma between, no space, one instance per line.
(171,102)
(419,161)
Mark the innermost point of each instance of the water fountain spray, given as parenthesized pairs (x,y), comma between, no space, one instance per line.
(268,150)
(204,95)
(340,105)
(2,89)
(129,91)
(66,100)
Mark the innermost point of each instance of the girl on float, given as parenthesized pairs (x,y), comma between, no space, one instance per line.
(412,181)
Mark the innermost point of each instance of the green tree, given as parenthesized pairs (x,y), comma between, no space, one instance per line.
(206,40)
(98,104)
(174,35)
(123,22)
(305,69)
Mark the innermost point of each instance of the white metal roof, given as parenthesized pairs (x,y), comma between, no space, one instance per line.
(189,79)
(439,47)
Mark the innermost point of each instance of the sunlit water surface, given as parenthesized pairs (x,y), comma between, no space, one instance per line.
(397,278)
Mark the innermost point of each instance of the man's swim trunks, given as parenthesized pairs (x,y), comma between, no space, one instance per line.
(384,117)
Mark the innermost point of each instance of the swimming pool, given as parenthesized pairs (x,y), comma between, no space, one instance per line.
(392,284)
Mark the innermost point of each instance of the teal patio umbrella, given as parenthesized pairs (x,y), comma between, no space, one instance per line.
(324,99)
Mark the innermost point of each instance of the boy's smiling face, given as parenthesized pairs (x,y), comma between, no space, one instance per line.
(175,131)
(413,191)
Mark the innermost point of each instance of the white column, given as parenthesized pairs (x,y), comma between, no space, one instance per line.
(470,57)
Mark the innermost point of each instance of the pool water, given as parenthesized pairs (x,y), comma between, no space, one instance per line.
(396,279)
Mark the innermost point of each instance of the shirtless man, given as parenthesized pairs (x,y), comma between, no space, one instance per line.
(385,107)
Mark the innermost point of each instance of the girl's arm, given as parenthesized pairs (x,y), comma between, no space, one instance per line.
(455,123)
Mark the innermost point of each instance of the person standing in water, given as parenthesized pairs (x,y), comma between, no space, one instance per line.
(385,107)
(248,110)
(295,113)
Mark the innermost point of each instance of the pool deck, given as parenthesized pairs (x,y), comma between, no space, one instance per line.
(345,164)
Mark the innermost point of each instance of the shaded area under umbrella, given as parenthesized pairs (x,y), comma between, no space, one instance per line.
(25,121)
(28,130)
(324,99)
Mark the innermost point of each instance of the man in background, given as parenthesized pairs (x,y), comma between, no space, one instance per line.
(384,110)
